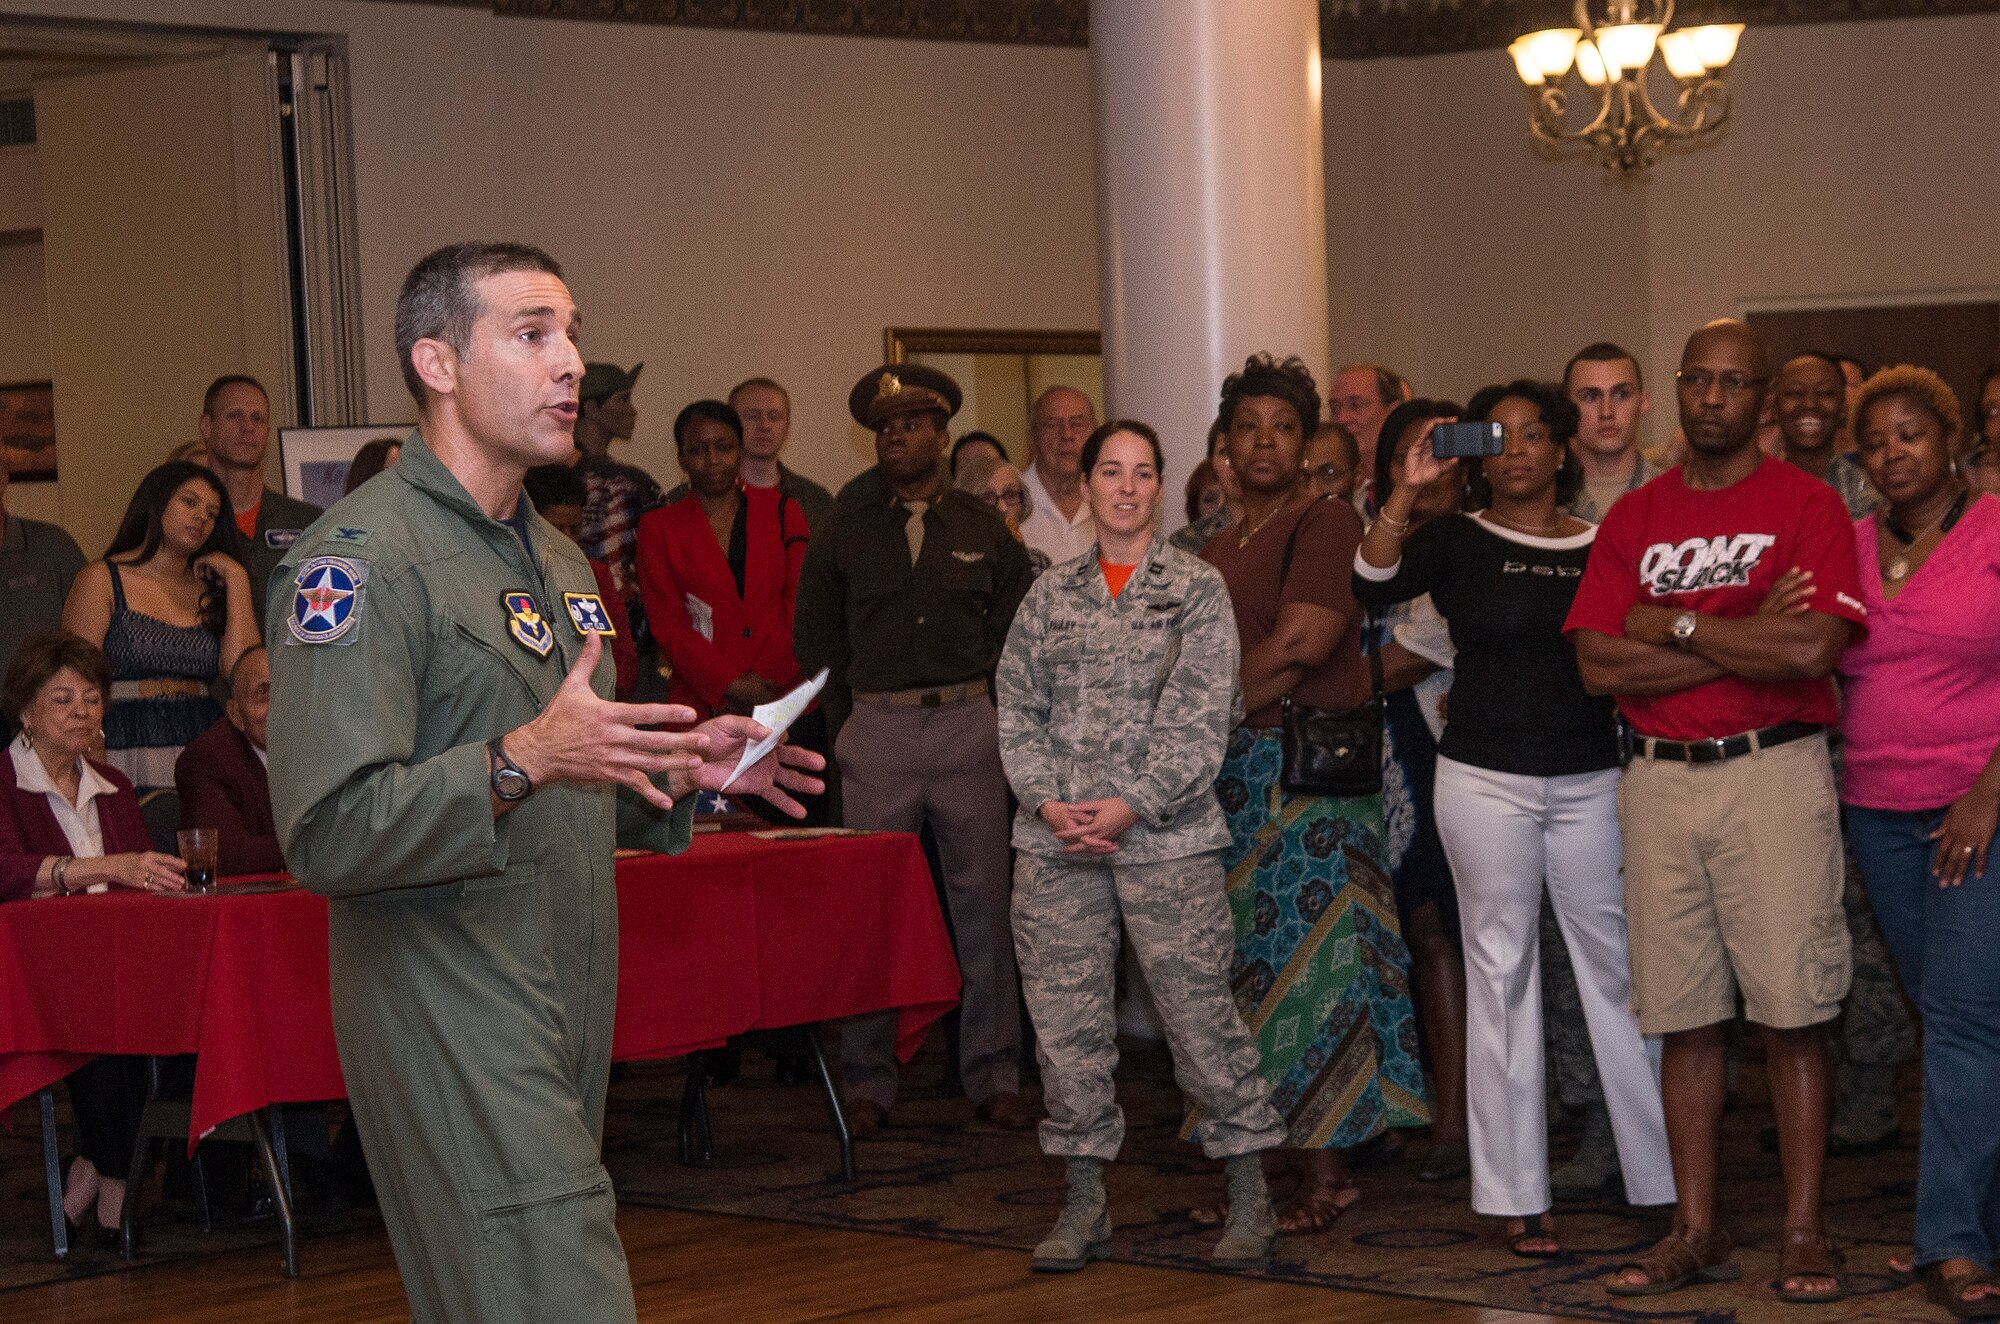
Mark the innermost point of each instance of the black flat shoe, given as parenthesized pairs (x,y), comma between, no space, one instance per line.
(108,1238)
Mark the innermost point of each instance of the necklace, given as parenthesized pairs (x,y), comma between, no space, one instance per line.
(1899,569)
(1544,531)
(1250,530)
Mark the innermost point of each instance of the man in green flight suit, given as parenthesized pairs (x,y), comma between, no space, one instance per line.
(447,771)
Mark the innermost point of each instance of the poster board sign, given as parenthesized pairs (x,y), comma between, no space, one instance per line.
(315,460)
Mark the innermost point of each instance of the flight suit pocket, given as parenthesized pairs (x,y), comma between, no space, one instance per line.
(549,1250)
(514,875)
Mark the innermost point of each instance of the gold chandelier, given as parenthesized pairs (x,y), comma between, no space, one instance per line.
(1611,56)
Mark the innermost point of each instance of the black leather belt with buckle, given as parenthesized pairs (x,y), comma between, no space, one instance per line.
(1720,748)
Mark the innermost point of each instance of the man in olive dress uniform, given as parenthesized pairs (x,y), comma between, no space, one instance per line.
(447,771)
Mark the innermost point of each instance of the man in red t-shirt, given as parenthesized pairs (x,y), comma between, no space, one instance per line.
(1717,599)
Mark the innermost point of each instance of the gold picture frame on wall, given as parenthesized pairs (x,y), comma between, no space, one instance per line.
(1002,372)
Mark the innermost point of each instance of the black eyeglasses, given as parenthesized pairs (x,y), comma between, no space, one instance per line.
(1699,380)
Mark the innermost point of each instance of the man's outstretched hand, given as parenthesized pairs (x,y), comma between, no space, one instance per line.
(785,769)
(582,738)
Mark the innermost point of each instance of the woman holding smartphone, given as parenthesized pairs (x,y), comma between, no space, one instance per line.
(1527,781)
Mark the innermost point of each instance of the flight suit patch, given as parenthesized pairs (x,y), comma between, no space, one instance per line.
(326,600)
(587,614)
(349,534)
(525,623)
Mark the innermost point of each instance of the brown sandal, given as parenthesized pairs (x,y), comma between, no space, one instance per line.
(1316,1208)
(1680,1259)
(1807,1253)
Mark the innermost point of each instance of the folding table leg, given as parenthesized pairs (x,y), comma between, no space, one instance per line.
(52,1173)
(142,1160)
(281,1196)
(697,1141)
(832,1104)
(276,1112)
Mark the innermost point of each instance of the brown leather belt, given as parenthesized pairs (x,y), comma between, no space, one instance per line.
(157,689)
(936,697)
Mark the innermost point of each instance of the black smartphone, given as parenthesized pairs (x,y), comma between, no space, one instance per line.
(1465,441)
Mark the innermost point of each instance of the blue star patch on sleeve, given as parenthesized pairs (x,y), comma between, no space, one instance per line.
(326,600)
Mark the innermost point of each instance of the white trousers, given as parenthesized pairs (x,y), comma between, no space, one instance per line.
(1504,834)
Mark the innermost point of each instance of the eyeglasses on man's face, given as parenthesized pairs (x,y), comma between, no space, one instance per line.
(1007,498)
(1699,380)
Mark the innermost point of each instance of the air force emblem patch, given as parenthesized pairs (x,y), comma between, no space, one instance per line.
(587,614)
(326,600)
(525,623)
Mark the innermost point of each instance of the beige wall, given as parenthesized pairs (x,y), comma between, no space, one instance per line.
(1861,164)
(732,203)
(725,203)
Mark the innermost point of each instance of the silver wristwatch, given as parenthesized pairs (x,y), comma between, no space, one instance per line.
(509,782)
(1682,630)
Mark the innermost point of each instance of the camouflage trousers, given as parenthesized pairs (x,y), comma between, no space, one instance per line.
(1876,1031)
(1067,914)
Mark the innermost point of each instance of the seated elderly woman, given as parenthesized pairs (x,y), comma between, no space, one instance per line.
(69,825)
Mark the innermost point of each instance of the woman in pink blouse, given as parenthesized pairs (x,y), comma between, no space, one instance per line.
(1922,795)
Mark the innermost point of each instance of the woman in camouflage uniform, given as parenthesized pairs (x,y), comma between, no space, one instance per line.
(1117,692)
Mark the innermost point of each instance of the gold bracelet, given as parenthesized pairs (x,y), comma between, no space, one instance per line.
(1399,527)
(59,872)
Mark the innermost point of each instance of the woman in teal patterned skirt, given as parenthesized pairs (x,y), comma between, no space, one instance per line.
(1321,972)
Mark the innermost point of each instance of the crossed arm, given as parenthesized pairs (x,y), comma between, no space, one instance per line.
(1785,640)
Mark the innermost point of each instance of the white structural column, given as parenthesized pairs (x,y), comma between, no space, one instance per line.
(1211,203)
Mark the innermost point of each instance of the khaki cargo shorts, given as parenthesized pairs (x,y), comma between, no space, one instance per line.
(1733,880)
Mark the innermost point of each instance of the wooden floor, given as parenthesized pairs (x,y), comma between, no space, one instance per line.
(705,1267)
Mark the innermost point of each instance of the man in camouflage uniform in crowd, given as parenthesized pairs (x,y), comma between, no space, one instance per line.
(1123,705)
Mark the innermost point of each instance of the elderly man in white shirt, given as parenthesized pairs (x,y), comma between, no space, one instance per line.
(1060,528)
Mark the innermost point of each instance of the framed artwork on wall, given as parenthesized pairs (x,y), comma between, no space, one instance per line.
(28,431)
(315,460)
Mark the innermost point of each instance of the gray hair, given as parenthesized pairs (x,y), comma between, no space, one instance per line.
(438,301)
(978,468)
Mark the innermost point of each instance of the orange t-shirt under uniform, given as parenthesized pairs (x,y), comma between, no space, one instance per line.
(1115,575)
(246,520)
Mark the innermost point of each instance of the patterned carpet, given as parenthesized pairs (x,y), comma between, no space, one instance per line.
(934,1174)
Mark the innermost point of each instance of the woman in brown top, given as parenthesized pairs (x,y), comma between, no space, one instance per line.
(1321,972)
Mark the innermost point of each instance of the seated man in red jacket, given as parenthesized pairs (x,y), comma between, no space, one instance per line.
(222,779)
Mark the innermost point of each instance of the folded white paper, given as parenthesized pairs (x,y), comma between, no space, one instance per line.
(778,715)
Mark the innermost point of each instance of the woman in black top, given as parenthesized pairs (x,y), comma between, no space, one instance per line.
(1527,781)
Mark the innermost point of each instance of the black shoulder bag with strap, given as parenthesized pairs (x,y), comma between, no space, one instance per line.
(1326,751)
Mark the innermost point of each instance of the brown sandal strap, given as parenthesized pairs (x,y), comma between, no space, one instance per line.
(1808,1253)
(1672,1257)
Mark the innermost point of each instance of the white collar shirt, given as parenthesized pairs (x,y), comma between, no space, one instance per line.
(78,821)
(1047,531)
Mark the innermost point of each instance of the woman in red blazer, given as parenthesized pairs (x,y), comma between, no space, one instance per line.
(70,825)
(719,573)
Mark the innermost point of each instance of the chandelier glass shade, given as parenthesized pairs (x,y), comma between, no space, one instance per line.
(1610,52)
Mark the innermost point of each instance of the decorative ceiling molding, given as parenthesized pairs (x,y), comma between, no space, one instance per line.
(1366,29)
(1349,29)
(1013,22)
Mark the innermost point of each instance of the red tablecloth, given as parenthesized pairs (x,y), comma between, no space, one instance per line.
(737,934)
